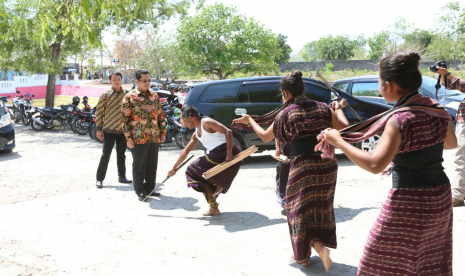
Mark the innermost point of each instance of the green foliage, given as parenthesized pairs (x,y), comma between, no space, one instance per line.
(46,31)
(340,47)
(222,41)
(284,49)
(308,52)
(448,42)
(329,67)
(379,45)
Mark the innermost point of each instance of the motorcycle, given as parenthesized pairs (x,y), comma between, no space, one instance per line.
(173,125)
(27,106)
(93,128)
(51,117)
(82,121)
(79,115)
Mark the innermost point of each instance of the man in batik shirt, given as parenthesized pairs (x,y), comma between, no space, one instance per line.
(144,127)
(458,180)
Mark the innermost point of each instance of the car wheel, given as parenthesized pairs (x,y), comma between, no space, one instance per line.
(369,144)
(6,151)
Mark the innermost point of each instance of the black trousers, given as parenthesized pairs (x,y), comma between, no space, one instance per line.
(109,140)
(144,166)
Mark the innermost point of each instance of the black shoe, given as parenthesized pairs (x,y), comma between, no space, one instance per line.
(141,197)
(123,179)
(154,194)
(99,184)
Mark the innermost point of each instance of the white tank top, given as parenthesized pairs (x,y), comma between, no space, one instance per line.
(210,140)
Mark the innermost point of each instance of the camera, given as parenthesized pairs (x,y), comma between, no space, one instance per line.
(441,63)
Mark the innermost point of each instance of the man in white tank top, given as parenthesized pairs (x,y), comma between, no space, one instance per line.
(218,140)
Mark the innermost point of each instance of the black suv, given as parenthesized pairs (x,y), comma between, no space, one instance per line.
(259,95)
(367,88)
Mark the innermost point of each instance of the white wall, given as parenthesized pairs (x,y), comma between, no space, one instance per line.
(33,80)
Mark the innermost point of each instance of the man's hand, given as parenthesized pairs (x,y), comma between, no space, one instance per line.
(100,135)
(229,157)
(162,139)
(171,172)
(278,152)
(130,143)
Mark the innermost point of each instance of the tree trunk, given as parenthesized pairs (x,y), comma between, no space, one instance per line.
(50,96)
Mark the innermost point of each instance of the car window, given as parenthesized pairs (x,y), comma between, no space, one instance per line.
(317,93)
(366,89)
(267,92)
(429,84)
(342,86)
(220,93)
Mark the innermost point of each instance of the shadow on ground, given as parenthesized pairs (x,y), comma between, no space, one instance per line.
(316,268)
(235,221)
(9,156)
(344,214)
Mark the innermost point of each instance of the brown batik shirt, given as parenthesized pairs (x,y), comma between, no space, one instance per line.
(143,117)
(108,116)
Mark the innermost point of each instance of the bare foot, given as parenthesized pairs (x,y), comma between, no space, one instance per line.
(327,262)
(305,264)
(212,212)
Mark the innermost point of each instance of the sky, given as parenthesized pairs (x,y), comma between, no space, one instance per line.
(304,21)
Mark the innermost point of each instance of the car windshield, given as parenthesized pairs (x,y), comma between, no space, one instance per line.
(429,83)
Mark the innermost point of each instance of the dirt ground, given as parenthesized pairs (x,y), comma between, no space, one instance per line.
(53,220)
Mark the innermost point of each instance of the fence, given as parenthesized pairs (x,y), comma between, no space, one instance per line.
(33,80)
(371,65)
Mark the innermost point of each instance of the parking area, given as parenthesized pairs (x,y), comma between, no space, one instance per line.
(53,221)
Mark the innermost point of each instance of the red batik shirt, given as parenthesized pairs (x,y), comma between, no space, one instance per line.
(458,84)
(143,117)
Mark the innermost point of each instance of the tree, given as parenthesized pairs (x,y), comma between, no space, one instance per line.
(418,40)
(284,49)
(379,45)
(51,25)
(308,52)
(162,57)
(219,40)
(340,47)
(449,34)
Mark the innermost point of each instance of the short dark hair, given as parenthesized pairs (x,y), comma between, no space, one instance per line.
(116,74)
(189,111)
(401,68)
(141,72)
(293,83)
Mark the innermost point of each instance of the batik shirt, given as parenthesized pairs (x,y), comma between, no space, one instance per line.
(143,117)
(108,116)
(459,84)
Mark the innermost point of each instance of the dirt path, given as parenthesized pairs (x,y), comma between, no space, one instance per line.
(53,221)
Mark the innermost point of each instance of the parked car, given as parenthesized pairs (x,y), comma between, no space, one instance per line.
(7,129)
(260,95)
(367,88)
(155,83)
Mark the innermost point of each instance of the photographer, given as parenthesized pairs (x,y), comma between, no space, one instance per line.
(458,181)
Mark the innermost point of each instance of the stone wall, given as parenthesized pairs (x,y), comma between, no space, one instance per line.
(371,65)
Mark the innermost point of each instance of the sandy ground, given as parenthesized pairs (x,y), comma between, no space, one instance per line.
(53,221)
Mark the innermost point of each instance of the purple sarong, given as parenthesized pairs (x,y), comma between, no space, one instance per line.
(202,164)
